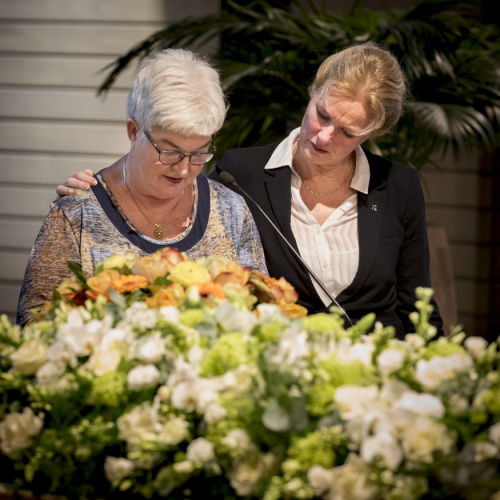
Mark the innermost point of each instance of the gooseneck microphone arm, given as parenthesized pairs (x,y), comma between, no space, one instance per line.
(228,180)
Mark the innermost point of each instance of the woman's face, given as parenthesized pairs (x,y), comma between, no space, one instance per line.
(329,129)
(153,177)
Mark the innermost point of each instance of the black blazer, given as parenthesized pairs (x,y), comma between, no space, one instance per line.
(393,247)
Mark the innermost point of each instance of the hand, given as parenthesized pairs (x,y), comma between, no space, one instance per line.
(82,179)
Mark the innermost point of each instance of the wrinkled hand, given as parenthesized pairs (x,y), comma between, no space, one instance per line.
(82,179)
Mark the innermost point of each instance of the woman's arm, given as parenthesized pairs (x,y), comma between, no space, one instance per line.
(56,244)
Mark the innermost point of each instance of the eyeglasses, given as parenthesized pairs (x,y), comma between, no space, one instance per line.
(168,157)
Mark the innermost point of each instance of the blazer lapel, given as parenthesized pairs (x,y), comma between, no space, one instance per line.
(370,213)
(277,184)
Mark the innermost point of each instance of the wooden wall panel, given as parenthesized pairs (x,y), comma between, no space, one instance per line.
(59,71)
(52,123)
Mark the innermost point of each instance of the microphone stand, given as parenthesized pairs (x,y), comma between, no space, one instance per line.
(228,180)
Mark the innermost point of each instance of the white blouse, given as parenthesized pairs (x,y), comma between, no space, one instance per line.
(332,248)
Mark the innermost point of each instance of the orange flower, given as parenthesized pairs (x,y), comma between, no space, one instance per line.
(272,290)
(211,288)
(69,288)
(129,283)
(99,284)
(169,296)
(232,272)
(158,264)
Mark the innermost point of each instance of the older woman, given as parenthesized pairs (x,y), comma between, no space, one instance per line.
(357,220)
(154,196)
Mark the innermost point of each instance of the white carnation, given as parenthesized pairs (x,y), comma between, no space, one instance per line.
(200,450)
(476,346)
(174,431)
(150,348)
(320,479)
(390,361)
(18,429)
(423,437)
(29,357)
(117,469)
(423,404)
(353,400)
(142,377)
(384,446)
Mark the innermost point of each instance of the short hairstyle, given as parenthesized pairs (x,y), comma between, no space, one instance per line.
(179,91)
(370,73)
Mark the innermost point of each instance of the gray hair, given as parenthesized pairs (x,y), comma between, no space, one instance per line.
(179,91)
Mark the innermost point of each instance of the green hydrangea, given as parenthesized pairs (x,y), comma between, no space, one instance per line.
(229,351)
(109,389)
(316,448)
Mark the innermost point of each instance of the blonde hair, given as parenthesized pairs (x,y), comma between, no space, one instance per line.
(179,91)
(370,73)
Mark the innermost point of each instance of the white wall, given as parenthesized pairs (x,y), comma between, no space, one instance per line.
(51,121)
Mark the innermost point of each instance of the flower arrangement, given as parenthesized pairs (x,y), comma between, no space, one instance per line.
(163,377)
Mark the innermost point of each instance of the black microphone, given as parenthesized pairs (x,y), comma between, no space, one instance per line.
(228,180)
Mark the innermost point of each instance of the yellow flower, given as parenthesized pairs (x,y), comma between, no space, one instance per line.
(158,264)
(293,310)
(119,261)
(129,283)
(169,296)
(189,273)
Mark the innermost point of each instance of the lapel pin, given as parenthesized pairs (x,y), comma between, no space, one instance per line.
(374,208)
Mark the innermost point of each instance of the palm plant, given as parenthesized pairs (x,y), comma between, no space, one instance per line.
(268,55)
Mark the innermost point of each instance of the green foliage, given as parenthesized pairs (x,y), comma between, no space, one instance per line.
(268,56)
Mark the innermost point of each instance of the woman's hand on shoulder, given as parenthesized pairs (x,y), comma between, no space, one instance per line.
(82,179)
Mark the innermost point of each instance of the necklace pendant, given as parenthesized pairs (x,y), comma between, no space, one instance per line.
(158,233)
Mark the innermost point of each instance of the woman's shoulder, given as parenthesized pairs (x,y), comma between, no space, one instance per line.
(386,170)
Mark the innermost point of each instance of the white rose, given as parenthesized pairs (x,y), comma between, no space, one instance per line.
(29,357)
(185,395)
(494,433)
(382,445)
(139,423)
(352,480)
(392,390)
(200,450)
(237,439)
(142,377)
(361,352)
(476,346)
(320,479)
(214,412)
(430,374)
(390,361)
(104,360)
(175,430)
(246,475)
(423,437)
(352,400)
(423,404)
(50,374)
(17,429)
(117,469)
(150,348)
(275,418)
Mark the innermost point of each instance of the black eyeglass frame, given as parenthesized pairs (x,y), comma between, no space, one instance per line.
(180,156)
